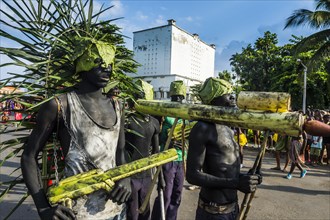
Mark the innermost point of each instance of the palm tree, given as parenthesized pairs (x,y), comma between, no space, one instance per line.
(320,20)
(44,34)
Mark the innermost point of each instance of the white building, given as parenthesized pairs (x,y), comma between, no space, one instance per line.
(168,53)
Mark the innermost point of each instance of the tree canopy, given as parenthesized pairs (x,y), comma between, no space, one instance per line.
(265,66)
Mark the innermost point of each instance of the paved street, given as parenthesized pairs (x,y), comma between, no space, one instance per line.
(276,198)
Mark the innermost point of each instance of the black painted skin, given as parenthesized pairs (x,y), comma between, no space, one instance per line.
(89,91)
(213,160)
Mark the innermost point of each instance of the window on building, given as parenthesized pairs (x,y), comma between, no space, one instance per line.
(161,94)
(168,95)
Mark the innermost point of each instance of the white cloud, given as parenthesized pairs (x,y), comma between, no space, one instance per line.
(283,35)
(8,69)
(118,9)
(223,55)
(160,20)
(141,16)
(189,18)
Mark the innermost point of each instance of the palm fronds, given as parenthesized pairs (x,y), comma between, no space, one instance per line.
(43,36)
(318,19)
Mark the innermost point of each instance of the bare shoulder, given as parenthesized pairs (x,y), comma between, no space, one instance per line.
(202,126)
(49,109)
(154,121)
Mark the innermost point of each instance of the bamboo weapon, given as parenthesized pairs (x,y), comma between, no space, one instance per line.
(144,205)
(258,111)
(246,203)
(88,182)
(289,123)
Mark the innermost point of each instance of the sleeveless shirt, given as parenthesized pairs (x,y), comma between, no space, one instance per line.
(95,147)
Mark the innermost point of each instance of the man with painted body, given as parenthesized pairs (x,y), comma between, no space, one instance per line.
(213,159)
(173,172)
(90,130)
(142,132)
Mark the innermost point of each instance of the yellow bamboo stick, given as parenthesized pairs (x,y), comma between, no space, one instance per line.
(264,101)
(289,123)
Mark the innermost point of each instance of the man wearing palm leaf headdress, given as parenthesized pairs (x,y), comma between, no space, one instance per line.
(90,129)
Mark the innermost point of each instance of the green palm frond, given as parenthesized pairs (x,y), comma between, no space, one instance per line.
(323,4)
(319,41)
(43,35)
(309,42)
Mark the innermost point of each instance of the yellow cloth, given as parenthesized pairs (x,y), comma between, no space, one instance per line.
(275,137)
(242,139)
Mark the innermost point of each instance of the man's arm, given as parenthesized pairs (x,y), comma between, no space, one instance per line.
(122,190)
(196,156)
(155,137)
(46,121)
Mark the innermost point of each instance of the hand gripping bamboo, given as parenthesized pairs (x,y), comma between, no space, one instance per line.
(91,181)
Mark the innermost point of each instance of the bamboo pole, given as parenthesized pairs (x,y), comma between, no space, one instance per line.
(289,123)
(264,101)
(246,203)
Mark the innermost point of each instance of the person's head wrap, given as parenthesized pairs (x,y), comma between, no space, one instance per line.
(88,50)
(178,88)
(147,90)
(213,88)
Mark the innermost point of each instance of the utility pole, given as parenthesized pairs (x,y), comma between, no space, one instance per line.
(305,85)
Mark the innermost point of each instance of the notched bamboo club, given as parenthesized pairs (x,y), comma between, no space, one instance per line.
(91,181)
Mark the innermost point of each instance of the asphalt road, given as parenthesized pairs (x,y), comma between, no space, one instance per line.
(277,198)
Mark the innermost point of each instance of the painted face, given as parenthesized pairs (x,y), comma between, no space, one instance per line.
(177,98)
(98,76)
(227,100)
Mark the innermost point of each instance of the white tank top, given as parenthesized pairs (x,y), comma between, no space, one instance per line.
(96,149)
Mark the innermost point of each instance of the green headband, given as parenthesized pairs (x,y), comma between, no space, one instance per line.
(178,88)
(213,88)
(88,50)
(146,88)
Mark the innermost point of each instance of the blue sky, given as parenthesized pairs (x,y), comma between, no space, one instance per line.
(229,24)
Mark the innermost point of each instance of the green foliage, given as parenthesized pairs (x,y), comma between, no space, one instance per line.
(319,41)
(268,67)
(44,35)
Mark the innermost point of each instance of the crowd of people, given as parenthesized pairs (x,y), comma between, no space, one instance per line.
(105,137)
(11,108)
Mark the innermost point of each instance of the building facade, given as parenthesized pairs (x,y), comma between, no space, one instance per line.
(168,53)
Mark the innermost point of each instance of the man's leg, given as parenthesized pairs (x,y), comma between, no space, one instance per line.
(328,152)
(287,160)
(168,172)
(277,158)
(320,159)
(172,210)
(142,195)
(133,202)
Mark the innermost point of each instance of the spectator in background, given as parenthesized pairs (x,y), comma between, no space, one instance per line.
(241,139)
(326,142)
(282,144)
(297,145)
(316,148)
(256,138)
